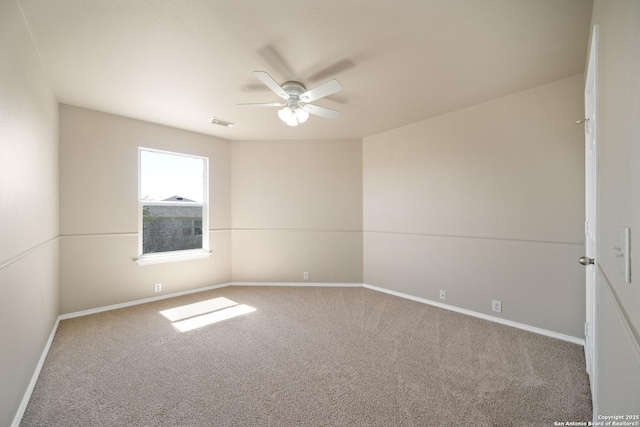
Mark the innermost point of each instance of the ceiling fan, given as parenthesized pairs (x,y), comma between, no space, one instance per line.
(297,99)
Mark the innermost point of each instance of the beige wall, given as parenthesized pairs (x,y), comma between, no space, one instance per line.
(485,203)
(618,314)
(297,206)
(28,209)
(98,210)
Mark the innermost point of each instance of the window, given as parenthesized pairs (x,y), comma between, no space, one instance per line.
(172,206)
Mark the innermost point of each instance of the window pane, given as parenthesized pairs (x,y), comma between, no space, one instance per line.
(171,177)
(171,228)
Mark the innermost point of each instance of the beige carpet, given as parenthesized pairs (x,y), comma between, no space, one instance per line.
(304,357)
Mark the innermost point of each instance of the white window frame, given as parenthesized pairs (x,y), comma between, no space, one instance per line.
(181,255)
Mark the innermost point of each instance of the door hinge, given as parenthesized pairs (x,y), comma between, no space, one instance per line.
(588,229)
(586,329)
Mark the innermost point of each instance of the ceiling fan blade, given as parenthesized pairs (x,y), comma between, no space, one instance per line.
(325,89)
(271,84)
(272,57)
(264,104)
(254,87)
(321,111)
(332,70)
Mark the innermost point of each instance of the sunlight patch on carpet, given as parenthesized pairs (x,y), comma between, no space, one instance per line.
(211,318)
(198,308)
(193,316)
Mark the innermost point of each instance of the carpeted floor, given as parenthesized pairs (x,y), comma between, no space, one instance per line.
(305,357)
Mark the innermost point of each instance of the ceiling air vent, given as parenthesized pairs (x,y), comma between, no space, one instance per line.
(221,122)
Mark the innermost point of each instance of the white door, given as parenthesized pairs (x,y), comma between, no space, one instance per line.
(591,193)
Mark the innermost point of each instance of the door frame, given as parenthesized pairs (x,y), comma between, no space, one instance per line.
(591,204)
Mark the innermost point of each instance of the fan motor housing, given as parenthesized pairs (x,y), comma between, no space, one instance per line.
(294,88)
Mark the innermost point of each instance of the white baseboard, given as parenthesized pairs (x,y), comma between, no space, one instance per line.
(34,378)
(513,324)
(302,284)
(140,301)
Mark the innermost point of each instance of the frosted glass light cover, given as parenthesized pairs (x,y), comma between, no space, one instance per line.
(302,115)
(285,114)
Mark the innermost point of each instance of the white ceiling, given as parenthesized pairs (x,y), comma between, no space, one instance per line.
(179,63)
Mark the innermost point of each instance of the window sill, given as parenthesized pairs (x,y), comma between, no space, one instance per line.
(161,258)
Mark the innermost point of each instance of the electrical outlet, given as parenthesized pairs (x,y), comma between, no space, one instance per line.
(305,275)
(158,287)
(496,306)
(443,295)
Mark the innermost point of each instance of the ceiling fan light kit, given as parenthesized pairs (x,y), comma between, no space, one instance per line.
(297,108)
(293,115)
